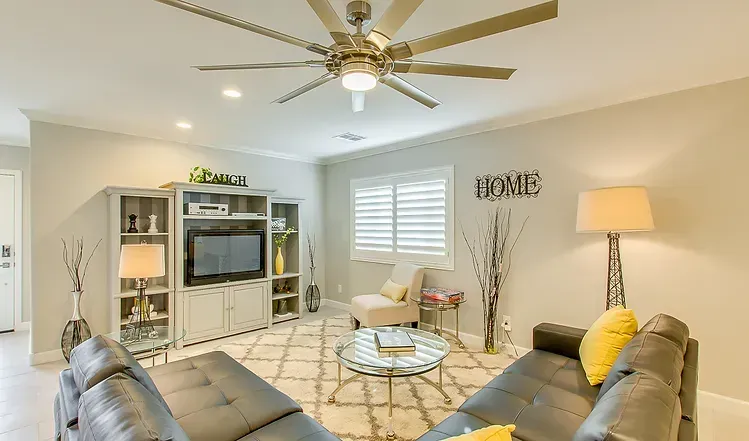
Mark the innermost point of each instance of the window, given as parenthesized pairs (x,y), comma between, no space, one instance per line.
(404,217)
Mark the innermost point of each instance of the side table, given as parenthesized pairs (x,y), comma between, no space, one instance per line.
(439,307)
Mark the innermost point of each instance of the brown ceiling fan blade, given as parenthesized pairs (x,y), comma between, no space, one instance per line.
(218,16)
(332,22)
(254,66)
(306,88)
(473,31)
(409,90)
(392,20)
(452,70)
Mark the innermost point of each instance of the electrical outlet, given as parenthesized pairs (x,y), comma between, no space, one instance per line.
(340,289)
(506,323)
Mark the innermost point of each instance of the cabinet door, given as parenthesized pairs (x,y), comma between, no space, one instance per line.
(248,307)
(206,313)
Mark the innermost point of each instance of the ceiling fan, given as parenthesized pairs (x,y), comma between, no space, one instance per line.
(361,61)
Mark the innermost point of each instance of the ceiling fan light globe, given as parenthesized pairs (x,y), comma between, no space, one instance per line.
(359,81)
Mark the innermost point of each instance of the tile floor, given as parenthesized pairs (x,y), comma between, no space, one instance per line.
(27,392)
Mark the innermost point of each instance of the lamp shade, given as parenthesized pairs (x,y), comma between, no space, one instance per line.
(141,261)
(614,209)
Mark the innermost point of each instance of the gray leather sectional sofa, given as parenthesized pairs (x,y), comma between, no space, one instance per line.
(107,395)
(649,395)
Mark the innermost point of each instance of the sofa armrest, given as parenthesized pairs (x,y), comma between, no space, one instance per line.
(559,339)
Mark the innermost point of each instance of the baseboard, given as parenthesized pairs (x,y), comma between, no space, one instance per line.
(45,357)
(722,403)
(335,304)
(23,326)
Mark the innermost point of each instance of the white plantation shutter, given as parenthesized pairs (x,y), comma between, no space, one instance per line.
(373,224)
(405,217)
(421,217)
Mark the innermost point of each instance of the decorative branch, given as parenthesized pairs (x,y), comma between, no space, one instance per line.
(281,239)
(312,248)
(488,255)
(74,261)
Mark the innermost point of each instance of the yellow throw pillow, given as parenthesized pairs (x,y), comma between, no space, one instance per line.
(393,291)
(604,341)
(491,433)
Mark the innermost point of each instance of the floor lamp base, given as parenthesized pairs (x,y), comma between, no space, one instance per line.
(615,291)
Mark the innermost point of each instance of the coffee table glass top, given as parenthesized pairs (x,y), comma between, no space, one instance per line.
(159,342)
(356,350)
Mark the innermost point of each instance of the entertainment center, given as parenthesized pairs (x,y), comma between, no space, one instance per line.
(220,276)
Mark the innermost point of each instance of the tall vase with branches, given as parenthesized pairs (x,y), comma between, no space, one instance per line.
(491,254)
(312,295)
(76,331)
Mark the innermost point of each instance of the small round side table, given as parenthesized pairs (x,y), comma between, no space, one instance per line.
(439,307)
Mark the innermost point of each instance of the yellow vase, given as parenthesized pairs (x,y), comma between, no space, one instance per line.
(279,262)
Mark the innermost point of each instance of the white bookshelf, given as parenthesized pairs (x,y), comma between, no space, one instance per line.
(292,250)
(143,202)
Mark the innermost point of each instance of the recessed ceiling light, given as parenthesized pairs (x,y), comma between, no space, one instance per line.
(232,93)
(184,125)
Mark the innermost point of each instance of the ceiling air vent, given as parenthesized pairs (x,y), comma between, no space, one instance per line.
(348,136)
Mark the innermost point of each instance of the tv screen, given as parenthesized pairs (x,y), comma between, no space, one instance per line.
(216,256)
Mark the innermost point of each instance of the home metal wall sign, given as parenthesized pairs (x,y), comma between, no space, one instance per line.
(513,184)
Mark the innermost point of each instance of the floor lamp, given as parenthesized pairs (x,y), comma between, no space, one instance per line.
(614,210)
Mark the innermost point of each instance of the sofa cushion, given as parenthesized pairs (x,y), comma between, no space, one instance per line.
(604,341)
(689,379)
(639,407)
(68,401)
(121,409)
(649,353)
(557,370)
(98,358)
(669,327)
(294,427)
(214,398)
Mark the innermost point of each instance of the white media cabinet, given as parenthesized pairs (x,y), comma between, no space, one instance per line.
(217,310)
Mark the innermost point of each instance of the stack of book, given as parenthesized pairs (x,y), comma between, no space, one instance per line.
(442,294)
(391,343)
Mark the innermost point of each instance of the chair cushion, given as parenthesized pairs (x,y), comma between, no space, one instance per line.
(98,358)
(649,353)
(393,291)
(669,327)
(639,407)
(214,398)
(377,310)
(604,340)
(121,409)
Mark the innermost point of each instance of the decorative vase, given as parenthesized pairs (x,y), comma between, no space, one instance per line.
(76,331)
(279,262)
(490,336)
(312,296)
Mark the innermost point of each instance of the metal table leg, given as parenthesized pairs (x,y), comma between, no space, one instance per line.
(390,432)
(447,398)
(341,384)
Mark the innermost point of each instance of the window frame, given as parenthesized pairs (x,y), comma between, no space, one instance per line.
(447,262)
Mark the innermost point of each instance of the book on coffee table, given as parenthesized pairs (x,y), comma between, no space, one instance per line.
(394,342)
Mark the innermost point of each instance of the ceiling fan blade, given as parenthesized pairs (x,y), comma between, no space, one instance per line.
(357,101)
(409,90)
(332,22)
(261,66)
(392,20)
(218,16)
(452,70)
(473,31)
(306,88)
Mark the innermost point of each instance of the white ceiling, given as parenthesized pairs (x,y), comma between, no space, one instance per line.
(123,66)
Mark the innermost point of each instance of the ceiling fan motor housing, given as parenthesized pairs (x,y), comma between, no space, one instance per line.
(360,63)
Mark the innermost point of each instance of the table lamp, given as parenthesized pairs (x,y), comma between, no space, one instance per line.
(614,210)
(141,262)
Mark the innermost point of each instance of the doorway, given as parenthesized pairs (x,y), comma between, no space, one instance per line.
(10,249)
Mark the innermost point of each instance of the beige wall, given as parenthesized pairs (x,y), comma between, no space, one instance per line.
(72,166)
(17,158)
(690,149)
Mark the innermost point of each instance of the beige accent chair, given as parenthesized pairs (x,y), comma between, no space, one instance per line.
(371,310)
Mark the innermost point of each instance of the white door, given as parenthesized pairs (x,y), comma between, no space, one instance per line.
(248,307)
(206,313)
(7,251)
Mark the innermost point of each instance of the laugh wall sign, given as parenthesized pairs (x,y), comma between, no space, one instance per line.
(513,184)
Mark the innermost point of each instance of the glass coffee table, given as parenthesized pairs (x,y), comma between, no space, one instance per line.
(150,347)
(356,351)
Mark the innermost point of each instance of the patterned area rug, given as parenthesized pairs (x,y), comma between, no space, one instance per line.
(300,362)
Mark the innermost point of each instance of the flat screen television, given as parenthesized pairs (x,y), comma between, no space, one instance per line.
(217,256)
